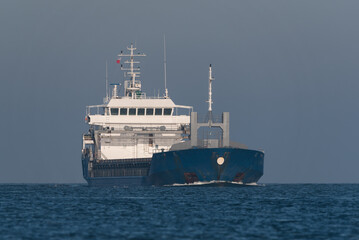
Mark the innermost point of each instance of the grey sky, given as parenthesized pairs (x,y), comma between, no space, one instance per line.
(286,70)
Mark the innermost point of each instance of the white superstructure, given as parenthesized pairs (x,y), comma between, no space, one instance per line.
(134,125)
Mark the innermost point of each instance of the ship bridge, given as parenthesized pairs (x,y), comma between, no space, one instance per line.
(145,113)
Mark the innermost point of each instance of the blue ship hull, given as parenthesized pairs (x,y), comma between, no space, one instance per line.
(192,165)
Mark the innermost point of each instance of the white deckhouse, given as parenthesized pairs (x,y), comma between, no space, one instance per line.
(134,126)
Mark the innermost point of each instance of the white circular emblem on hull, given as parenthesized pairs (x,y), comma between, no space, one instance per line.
(220,160)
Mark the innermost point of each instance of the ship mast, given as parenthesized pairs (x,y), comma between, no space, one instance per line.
(107,95)
(210,79)
(132,87)
(165,65)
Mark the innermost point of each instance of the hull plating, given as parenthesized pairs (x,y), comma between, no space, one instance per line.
(200,165)
(192,165)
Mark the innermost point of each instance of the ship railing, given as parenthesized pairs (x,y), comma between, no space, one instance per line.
(216,118)
(210,143)
(142,95)
(128,160)
(95,109)
(180,110)
(140,128)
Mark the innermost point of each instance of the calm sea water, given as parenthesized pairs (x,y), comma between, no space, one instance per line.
(273,211)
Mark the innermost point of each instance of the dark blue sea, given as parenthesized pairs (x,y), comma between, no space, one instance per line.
(271,211)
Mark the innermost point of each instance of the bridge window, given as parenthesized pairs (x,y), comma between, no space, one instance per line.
(158,111)
(141,111)
(167,111)
(114,111)
(149,111)
(123,111)
(132,111)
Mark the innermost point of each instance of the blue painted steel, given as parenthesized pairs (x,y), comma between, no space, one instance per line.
(239,165)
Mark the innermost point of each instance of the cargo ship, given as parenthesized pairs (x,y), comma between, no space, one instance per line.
(139,140)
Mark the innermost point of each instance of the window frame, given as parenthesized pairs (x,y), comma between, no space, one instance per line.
(158,109)
(123,109)
(170,113)
(129,111)
(112,113)
(150,110)
(138,111)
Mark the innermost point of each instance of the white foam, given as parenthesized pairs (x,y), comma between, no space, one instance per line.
(252,184)
(209,183)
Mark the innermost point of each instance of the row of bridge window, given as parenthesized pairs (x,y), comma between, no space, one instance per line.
(141,111)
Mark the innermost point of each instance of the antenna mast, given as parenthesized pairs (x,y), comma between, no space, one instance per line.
(132,86)
(210,78)
(107,97)
(210,89)
(165,65)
